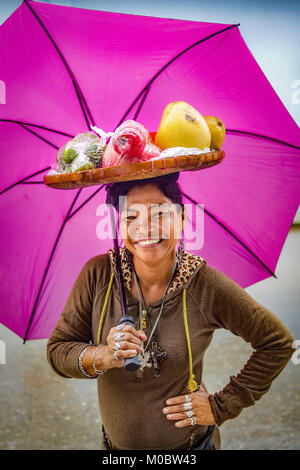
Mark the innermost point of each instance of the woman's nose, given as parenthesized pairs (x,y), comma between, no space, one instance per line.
(146,228)
(143,228)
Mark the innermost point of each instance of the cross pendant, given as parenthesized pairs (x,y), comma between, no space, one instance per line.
(157,355)
(145,361)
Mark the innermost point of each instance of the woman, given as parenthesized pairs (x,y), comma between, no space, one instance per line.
(177,301)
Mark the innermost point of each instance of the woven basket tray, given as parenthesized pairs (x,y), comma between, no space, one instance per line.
(134,171)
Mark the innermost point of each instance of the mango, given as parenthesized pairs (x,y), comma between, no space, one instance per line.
(217,130)
(182,125)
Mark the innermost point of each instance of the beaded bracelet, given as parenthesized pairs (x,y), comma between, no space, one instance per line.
(98,371)
(82,370)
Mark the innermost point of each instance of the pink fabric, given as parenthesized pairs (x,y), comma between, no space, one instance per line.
(252,196)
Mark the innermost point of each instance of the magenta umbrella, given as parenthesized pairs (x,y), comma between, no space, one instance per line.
(67,69)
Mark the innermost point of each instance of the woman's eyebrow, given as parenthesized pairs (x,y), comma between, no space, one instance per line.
(161,205)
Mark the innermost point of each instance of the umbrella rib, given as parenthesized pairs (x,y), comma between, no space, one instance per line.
(231,233)
(21,124)
(39,136)
(80,96)
(142,102)
(40,171)
(33,182)
(262,136)
(24,179)
(86,106)
(36,125)
(170,62)
(48,265)
(85,202)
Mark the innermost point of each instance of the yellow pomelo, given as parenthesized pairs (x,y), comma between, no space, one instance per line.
(217,130)
(182,125)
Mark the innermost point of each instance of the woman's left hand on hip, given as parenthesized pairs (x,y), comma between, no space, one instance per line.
(201,409)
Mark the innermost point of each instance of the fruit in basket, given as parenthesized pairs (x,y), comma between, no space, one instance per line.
(150,151)
(82,163)
(92,150)
(151,137)
(182,125)
(128,145)
(69,154)
(84,152)
(217,130)
(95,154)
(85,166)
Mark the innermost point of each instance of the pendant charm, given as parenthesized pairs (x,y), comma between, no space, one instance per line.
(145,361)
(144,320)
(157,355)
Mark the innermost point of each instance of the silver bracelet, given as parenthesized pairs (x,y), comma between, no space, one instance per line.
(98,371)
(82,370)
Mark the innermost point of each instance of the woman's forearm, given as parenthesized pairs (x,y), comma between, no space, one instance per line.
(253,381)
(101,361)
(73,330)
(229,306)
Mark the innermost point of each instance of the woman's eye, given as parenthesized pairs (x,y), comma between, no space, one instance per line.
(155,215)
(162,213)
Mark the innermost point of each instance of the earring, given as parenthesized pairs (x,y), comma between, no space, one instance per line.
(180,250)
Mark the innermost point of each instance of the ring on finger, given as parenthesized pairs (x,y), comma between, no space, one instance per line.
(118,336)
(189,413)
(187,406)
(121,326)
(116,356)
(117,346)
(187,399)
(193,421)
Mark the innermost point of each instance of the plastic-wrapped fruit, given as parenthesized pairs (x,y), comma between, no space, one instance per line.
(126,144)
(84,152)
(86,166)
(82,162)
(62,166)
(150,151)
(95,154)
(69,154)
(92,150)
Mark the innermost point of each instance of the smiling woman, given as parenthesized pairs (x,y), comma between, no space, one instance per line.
(177,301)
(152,219)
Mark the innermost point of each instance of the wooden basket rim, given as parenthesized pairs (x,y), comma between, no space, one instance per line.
(132,171)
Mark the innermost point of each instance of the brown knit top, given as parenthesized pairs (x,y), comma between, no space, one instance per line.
(131,411)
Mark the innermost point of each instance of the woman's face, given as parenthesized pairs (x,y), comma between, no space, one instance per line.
(148,214)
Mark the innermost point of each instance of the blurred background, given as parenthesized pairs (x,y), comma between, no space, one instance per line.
(40,410)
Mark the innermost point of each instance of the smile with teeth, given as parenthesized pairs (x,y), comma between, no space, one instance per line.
(149,242)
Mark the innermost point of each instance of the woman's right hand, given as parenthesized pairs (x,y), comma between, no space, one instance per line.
(131,345)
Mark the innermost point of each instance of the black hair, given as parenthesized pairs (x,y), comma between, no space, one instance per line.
(167,184)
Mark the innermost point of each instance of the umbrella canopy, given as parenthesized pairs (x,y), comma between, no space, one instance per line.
(66,69)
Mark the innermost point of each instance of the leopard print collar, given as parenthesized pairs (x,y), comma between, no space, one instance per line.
(189,262)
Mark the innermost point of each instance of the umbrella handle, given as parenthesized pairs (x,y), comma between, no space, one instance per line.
(118,264)
(131,363)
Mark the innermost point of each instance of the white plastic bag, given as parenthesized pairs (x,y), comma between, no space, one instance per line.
(180,151)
